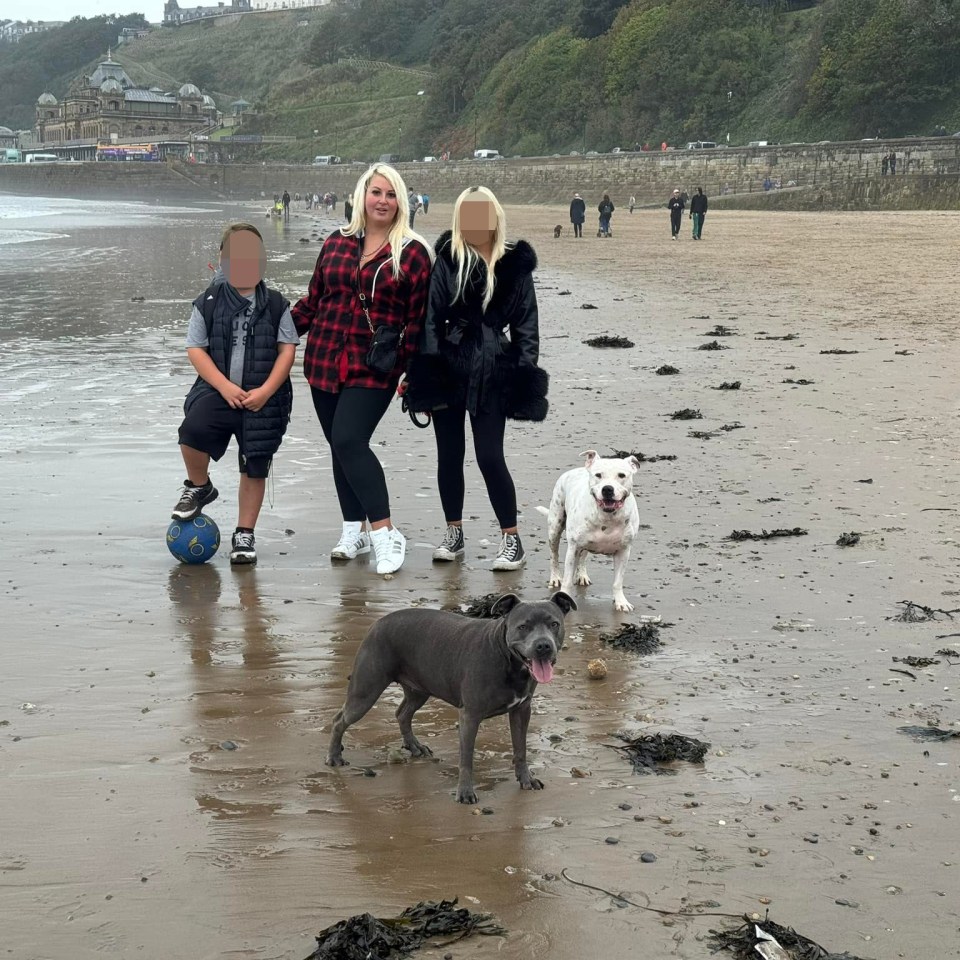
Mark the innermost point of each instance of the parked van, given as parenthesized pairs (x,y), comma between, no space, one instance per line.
(701,145)
(9,155)
(389,158)
(486,155)
(757,143)
(40,158)
(325,161)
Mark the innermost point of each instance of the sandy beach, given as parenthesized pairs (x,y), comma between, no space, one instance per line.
(163,728)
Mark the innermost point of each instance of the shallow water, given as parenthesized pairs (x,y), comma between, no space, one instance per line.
(128,827)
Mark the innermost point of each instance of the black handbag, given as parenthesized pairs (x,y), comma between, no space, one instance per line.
(385,342)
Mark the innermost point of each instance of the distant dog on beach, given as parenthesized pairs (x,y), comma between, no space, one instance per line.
(595,506)
(557,230)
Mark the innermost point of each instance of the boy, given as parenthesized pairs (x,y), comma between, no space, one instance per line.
(242,342)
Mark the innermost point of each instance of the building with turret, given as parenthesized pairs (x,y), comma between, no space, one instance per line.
(108,106)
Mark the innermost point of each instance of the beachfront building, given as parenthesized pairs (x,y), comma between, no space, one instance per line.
(173,14)
(7,138)
(108,106)
(15,30)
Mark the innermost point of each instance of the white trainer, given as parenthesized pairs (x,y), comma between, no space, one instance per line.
(390,547)
(353,542)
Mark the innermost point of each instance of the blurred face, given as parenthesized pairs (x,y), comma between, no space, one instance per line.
(478,222)
(243,260)
(380,204)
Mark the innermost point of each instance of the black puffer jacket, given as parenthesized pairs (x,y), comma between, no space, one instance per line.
(465,354)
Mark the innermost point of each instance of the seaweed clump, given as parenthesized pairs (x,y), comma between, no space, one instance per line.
(686,414)
(918,613)
(481,607)
(728,385)
(365,937)
(721,331)
(642,457)
(761,938)
(850,539)
(643,638)
(712,345)
(621,343)
(666,370)
(738,535)
(649,751)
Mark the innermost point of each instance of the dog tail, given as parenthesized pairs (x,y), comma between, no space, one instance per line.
(543,510)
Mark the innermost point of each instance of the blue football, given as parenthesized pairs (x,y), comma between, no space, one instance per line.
(193,541)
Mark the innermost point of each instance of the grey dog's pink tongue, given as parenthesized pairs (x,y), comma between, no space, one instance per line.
(542,671)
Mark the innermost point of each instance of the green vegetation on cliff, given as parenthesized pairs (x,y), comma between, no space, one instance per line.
(545,76)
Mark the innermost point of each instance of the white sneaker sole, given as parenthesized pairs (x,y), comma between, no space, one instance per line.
(505,566)
(338,553)
(447,556)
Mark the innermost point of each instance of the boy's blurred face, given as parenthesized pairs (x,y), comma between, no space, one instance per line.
(243,260)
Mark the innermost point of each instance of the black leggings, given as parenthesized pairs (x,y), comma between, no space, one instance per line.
(488,428)
(348,419)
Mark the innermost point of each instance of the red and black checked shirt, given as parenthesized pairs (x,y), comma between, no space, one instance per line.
(331,317)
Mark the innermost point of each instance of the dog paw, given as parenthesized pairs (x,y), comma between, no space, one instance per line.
(417,749)
(622,605)
(467,796)
(554,582)
(531,784)
(582,580)
(336,762)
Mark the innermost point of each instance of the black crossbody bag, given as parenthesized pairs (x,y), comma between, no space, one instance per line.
(385,340)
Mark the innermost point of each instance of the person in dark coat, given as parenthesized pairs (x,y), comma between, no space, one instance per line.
(478,355)
(605,207)
(698,210)
(578,213)
(675,205)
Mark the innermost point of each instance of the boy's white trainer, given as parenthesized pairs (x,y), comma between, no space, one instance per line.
(390,547)
(353,542)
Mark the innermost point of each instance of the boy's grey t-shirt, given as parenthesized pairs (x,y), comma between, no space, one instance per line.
(197,336)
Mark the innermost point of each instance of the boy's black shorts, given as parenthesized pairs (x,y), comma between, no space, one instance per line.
(208,426)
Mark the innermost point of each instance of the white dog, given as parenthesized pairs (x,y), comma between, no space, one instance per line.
(595,505)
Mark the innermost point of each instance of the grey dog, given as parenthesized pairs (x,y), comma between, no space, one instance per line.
(484,667)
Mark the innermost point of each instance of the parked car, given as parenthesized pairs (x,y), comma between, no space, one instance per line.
(701,145)
(389,158)
(324,161)
(429,159)
(487,155)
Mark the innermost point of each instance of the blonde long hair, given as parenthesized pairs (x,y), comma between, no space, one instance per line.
(400,230)
(464,256)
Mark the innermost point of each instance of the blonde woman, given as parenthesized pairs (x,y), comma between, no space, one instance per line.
(478,356)
(375,271)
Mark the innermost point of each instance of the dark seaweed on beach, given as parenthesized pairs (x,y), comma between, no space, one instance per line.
(741,943)
(918,613)
(701,434)
(786,336)
(713,345)
(728,385)
(666,370)
(720,331)
(736,425)
(840,352)
(365,937)
(799,383)
(904,353)
(929,733)
(850,539)
(648,751)
(621,343)
(642,457)
(480,607)
(767,535)
(686,414)
(643,639)
(918,662)
(588,306)
(947,652)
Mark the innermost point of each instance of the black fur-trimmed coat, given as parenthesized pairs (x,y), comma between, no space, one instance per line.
(486,361)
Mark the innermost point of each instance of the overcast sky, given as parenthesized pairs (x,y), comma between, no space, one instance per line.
(68,9)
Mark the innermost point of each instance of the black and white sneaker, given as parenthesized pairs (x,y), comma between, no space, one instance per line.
(451,547)
(510,556)
(193,500)
(243,548)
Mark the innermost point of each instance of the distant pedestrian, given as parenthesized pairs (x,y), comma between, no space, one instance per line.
(633,202)
(698,210)
(893,163)
(308,200)
(286,204)
(884,165)
(348,208)
(413,201)
(316,201)
(578,213)
(426,203)
(605,207)
(675,206)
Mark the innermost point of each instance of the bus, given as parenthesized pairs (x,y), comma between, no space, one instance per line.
(124,151)
(10,155)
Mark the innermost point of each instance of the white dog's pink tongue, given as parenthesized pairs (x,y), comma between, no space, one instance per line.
(542,671)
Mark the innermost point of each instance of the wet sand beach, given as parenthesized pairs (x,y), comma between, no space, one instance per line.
(163,728)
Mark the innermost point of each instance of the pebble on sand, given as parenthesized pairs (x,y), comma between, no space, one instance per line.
(597,669)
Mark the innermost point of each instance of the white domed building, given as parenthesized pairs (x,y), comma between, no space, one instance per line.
(108,107)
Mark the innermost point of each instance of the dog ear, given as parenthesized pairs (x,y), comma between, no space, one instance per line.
(590,455)
(564,601)
(634,462)
(504,605)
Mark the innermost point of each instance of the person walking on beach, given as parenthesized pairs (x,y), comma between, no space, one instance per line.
(413,202)
(578,213)
(348,208)
(698,211)
(633,202)
(425,200)
(605,208)
(286,204)
(242,343)
(481,290)
(371,280)
(675,206)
